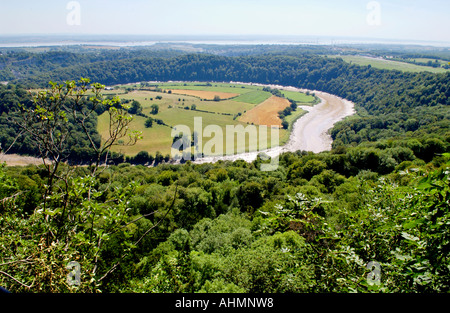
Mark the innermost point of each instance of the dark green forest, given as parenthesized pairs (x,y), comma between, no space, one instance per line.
(315,224)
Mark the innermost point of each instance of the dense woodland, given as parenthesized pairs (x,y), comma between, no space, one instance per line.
(312,225)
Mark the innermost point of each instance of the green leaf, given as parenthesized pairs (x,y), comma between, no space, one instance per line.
(413,223)
(409,237)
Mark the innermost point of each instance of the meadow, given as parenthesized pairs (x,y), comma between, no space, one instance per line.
(426,60)
(387,64)
(298,96)
(180,103)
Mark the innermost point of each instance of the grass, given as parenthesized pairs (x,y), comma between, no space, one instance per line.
(225,106)
(204,94)
(172,110)
(253,97)
(387,64)
(298,96)
(154,139)
(425,60)
(203,87)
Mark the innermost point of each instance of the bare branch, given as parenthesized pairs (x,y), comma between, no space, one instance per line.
(14,141)
(4,200)
(27,260)
(17,281)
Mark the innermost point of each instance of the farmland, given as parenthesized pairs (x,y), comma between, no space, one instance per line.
(387,64)
(298,96)
(266,112)
(205,95)
(216,104)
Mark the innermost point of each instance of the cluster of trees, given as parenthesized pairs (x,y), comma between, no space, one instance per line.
(14,140)
(17,64)
(311,225)
(430,63)
(78,147)
(416,123)
(287,111)
(144,158)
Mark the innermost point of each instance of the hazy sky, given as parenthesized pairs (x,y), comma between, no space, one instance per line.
(397,19)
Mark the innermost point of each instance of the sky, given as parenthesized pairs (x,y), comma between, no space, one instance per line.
(396,19)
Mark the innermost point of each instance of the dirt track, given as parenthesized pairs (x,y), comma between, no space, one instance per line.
(309,133)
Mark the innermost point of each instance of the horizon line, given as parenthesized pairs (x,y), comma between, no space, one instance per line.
(188,38)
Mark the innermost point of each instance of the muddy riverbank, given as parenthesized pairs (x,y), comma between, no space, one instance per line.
(309,132)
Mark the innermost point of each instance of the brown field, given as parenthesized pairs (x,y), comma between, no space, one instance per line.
(266,113)
(202,94)
(19,160)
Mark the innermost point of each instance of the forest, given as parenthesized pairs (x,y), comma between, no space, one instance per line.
(390,104)
(319,223)
(313,225)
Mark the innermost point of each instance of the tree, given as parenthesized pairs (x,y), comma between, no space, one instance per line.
(46,123)
(136,108)
(155,109)
(293,106)
(149,122)
(158,158)
(285,124)
(73,222)
(141,158)
(250,195)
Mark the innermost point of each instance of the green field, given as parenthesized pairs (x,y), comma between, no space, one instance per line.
(387,64)
(298,96)
(225,106)
(175,109)
(295,115)
(253,97)
(426,60)
(232,88)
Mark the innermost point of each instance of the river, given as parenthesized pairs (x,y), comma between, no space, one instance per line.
(309,132)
